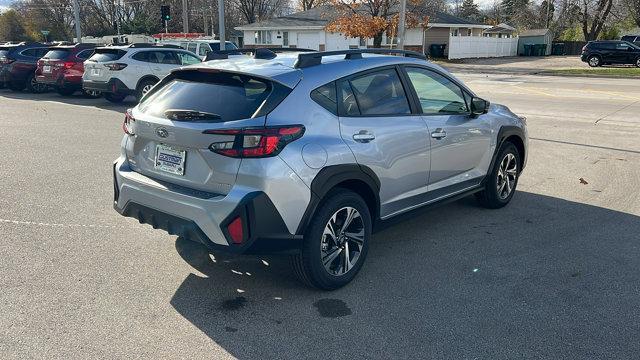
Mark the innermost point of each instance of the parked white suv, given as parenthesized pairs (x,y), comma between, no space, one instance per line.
(119,71)
(202,47)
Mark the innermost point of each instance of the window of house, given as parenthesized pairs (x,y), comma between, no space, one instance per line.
(363,42)
(285,38)
(263,37)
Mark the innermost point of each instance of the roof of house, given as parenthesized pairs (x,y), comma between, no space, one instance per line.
(501,28)
(320,16)
(534,32)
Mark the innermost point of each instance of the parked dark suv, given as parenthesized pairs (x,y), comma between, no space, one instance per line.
(62,68)
(598,53)
(632,39)
(18,66)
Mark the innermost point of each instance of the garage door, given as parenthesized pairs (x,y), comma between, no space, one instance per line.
(309,40)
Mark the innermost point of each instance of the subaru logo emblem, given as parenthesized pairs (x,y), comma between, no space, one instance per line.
(162,132)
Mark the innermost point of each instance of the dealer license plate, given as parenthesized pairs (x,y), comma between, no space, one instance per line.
(46,68)
(170,159)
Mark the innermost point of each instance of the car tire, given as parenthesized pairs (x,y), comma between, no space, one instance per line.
(501,181)
(144,87)
(638,62)
(65,91)
(115,97)
(318,244)
(91,94)
(594,61)
(33,86)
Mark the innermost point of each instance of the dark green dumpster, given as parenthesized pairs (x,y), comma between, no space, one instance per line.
(557,49)
(437,50)
(541,49)
(528,49)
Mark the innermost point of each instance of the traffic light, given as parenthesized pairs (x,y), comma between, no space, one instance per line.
(165,12)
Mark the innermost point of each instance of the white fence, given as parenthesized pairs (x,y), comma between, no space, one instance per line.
(462,47)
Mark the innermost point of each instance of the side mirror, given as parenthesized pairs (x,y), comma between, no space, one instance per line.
(479,106)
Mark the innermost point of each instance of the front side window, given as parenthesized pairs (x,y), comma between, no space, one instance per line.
(436,93)
(192,47)
(380,93)
(204,49)
(188,59)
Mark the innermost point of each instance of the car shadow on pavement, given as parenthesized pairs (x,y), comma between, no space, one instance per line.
(543,277)
(76,99)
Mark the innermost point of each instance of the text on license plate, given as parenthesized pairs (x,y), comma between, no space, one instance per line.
(46,68)
(95,72)
(170,159)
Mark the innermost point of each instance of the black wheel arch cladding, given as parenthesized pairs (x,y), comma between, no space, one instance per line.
(348,174)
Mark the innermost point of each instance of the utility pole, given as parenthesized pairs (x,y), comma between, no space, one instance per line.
(117,3)
(403,10)
(185,17)
(221,24)
(76,14)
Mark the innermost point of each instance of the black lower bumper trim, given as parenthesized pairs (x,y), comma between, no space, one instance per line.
(111,86)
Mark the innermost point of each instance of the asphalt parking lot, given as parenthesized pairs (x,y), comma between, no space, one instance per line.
(553,275)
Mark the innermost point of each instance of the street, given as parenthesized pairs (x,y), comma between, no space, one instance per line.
(554,274)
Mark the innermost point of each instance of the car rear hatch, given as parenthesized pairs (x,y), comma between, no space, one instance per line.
(103,64)
(53,63)
(5,56)
(187,127)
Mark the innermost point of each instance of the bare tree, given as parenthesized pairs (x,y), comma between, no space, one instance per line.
(594,16)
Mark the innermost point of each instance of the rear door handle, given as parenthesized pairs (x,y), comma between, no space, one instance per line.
(363,136)
(439,134)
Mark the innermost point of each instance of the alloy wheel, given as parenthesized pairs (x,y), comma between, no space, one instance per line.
(594,61)
(342,241)
(146,88)
(507,173)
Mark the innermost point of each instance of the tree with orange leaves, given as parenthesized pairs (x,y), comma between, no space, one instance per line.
(372,18)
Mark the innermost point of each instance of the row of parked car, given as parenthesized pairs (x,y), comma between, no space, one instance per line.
(114,72)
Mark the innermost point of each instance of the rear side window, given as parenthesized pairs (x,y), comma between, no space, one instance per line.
(192,47)
(105,55)
(57,54)
(326,97)
(141,56)
(221,96)
(84,54)
(31,53)
(380,93)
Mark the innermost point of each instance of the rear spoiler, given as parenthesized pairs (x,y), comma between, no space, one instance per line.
(258,53)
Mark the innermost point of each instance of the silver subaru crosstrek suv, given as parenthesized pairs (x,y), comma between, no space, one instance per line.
(306,153)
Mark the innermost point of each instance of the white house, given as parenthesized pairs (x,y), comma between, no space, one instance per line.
(306,29)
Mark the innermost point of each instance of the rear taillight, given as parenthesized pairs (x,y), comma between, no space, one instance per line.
(68,64)
(5,61)
(255,142)
(116,66)
(584,48)
(129,121)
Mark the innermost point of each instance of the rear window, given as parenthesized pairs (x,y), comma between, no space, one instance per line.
(227,96)
(105,55)
(57,54)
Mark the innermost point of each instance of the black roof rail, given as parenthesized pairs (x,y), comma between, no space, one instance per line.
(312,59)
(153,45)
(258,53)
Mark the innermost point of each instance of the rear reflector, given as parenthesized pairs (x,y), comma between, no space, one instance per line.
(235,230)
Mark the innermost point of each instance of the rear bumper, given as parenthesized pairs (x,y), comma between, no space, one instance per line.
(203,217)
(111,86)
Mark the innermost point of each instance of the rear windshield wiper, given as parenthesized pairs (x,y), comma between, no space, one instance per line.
(190,115)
